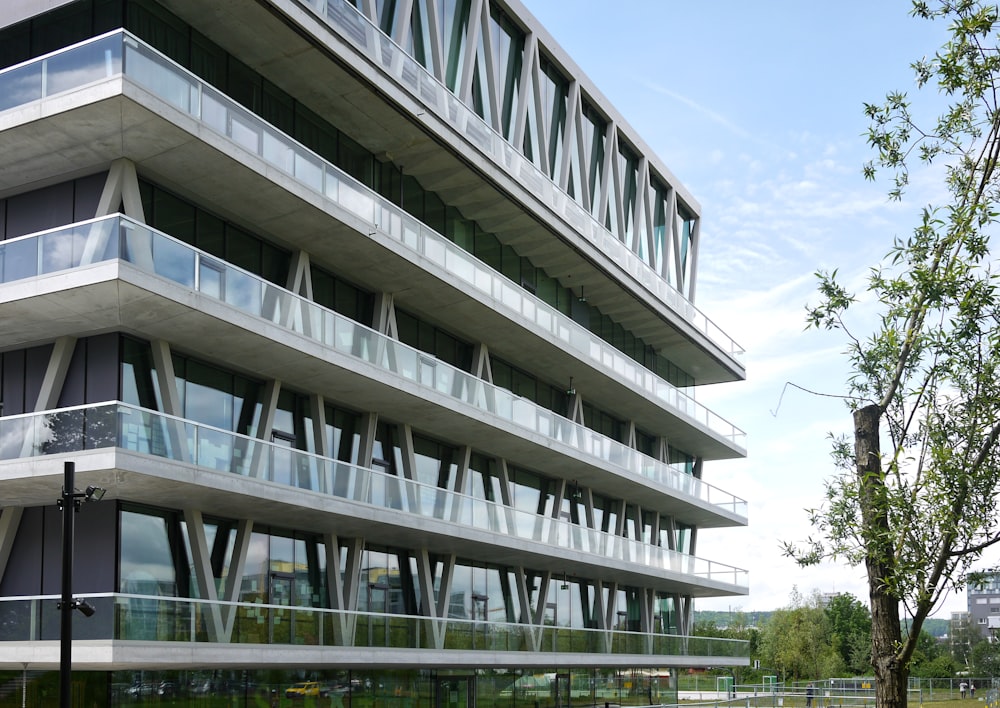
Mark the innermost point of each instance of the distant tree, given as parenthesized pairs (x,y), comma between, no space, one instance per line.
(707,628)
(736,628)
(851,632)
(797,641)
(940,667)
(930,660)
(927,380)
(928,646)
(936,627)
(985,659)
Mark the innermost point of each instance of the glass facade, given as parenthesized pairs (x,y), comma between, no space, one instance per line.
(498,687)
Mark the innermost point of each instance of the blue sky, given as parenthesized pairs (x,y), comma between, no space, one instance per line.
(757,108)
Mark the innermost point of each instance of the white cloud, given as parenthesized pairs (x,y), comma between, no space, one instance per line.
(712,115)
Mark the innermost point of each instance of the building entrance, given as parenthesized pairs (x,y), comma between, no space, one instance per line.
(281,630)
(455,692)
(560,691)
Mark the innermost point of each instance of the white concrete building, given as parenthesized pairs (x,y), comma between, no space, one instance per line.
(376,321)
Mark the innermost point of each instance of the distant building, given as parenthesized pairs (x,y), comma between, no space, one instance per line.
(959,635)
(984,603)
(827,597)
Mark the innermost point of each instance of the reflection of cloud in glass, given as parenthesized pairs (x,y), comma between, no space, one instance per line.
(67,70)
(13,436)
(140,582)
(145,551)
(20,86)
(172,260)
(62,249)
(20,259)
(82,65)
(243,291)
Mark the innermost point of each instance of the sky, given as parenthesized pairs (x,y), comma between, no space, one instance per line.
(757,108)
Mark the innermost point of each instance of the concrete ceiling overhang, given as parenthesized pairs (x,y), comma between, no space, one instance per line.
(290,47)
(106,655)
(83,132)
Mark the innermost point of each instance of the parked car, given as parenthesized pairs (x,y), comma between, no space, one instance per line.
(306,688)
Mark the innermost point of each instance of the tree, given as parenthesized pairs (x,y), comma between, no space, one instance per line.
(928,646)
(938,667)
(929,660)
(797,641)
(985,659)
(919,515)
(851,632)
(738,627)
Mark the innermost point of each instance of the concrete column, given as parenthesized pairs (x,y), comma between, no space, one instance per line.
(10,521)
(55,374)
(343,583)
(261,451)
(234,578)
(121,190)
(204,576)
(166,386)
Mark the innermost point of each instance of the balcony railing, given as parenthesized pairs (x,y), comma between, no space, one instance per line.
(106,56)
(380,49)
(148,617)
(155,253)
(119,425)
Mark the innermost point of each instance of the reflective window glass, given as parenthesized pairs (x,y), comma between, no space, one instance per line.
(221,540)
(282,554)
(343,436)
(139,385)
(146,557)
(254,587)
(207,397)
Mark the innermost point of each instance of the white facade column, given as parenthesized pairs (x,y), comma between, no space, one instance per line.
(55,374)
(10,521)
(166,387)
(343,581)
(204,576)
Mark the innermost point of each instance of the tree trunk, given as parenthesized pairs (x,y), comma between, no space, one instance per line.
(890,673)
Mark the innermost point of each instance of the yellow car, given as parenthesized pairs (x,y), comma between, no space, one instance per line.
(306,688)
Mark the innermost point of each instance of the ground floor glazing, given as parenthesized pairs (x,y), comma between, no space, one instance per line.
(373,688)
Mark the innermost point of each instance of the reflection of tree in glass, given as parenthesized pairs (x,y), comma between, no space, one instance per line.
(16,438)
(101,427)
(73,430)
(15,620)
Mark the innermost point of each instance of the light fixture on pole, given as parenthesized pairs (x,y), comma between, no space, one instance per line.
(69,503)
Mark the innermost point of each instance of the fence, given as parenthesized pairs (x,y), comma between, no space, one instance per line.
(830,693)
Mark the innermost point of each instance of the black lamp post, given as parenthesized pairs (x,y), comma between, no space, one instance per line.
(69,503)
